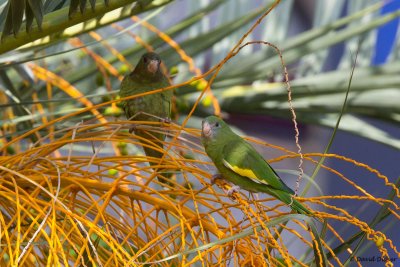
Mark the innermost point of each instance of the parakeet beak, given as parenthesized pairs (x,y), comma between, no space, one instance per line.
(152,67)
(206,129)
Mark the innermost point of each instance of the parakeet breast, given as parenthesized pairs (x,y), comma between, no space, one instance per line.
(157,104)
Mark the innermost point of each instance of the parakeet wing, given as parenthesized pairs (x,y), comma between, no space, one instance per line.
(243,159)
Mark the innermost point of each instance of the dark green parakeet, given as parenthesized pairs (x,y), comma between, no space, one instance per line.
(240,163)
(147,76)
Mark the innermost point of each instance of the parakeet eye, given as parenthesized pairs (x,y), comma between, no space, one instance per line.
(216,124)
(145,60)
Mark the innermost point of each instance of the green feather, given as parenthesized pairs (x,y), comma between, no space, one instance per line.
(240,163)
(141,80)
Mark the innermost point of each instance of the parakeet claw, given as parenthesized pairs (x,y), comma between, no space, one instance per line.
(166,120)
(233,189)
(133,128)
(215,177)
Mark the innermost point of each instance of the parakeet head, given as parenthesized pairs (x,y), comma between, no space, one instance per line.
(149,65)
(212,128)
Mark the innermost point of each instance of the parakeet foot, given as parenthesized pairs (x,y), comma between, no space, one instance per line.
(133,128)
(215,177)
(233,189)
(166,120)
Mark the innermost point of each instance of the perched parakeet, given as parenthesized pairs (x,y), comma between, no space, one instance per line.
(240,163)
(147,76)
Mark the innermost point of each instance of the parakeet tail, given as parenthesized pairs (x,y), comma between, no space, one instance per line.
(164,177)
(299,208)
(288,199)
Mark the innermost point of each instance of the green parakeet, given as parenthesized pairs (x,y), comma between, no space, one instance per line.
(147,76)
(240,163)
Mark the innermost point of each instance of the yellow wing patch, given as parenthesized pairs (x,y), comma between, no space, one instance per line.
(244,172)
